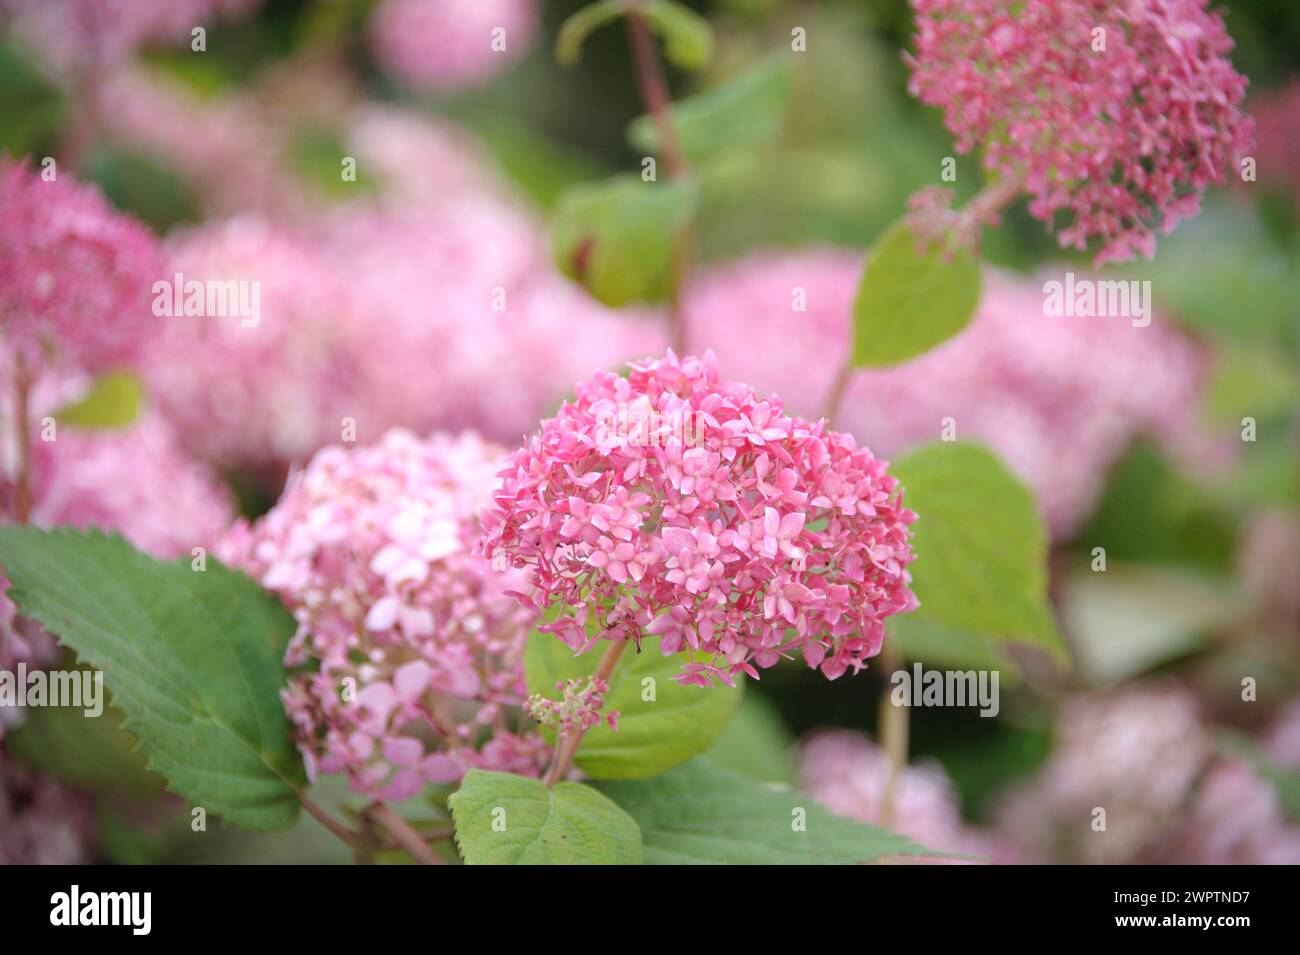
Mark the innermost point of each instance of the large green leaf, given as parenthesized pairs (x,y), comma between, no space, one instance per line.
(504,819)
(756,743)
(192,658)
(748,110)
(911,299)
(618,237)
(980,545)
(661,723)
(701,814)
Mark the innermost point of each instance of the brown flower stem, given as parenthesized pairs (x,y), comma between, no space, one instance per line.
(656,97)
(402,833)
(328,821)
(568,743)
(893,737)
(838,387)
(654,89)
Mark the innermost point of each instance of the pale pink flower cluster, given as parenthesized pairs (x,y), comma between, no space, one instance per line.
(74,274)
(577,709)
(42,822)
(1059,398)
(391,310)
(248,394)
(223,146)
(848,774)
(411,649)
(1110,143)
(743,535)
(443,45)
(80,36)
(1142,754)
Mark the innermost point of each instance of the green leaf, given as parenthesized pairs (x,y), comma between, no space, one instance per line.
(192,659)
(94,754)
(143,186)
(749,110)
(980,546)
(701,814)
(756,743)
(575,30)
(927,641)
(33,107)
(503,819)
(618,237)
(687,37)
(1128,620)
(652,735)
(910,300)
(113,402)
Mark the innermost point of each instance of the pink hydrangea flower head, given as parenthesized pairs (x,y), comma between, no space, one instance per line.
(674,503)
(82,36)
(1114,116)
(42,821)
(75,275)
(1144,755)
(848,774)
(410,649)
(443,45)
(252,391)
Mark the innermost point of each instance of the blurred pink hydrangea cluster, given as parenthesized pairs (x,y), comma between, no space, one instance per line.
(42,822)
(390,310)
(1059,398)
(443,45)
(1113,116)
(676,503)
(66,254)
(251,389)
(1277,118)
(81,36)
(848,774)
(1142,754)
(412,651)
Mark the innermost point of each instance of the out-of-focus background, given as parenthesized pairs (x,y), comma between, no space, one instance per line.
(424,291)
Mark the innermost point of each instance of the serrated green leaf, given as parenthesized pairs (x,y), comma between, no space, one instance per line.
(980,546)
(503,819)
(748,110)
(113,402)
(701,814)
(192,658)
(910,300)
(618,237)
(653,734)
